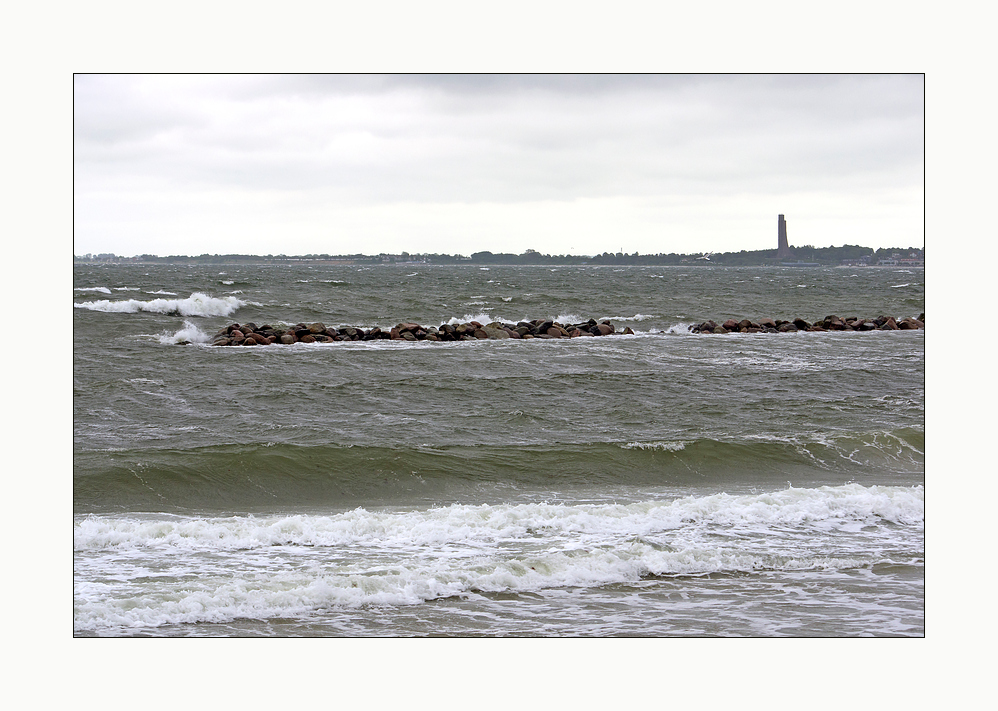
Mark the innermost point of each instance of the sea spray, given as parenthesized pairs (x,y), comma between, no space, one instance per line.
(190,333)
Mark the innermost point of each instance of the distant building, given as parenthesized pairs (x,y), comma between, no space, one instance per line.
(861,262)
(783,246)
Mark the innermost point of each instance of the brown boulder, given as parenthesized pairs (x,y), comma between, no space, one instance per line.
(495,332)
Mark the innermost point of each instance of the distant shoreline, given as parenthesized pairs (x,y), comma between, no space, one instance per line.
(275,262)
(846,255)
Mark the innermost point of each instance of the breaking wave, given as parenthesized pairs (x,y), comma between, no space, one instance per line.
(197,304)
(466,550)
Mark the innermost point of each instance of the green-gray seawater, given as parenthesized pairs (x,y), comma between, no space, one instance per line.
(662,483)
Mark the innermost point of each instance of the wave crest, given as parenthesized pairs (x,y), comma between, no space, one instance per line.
(197,304)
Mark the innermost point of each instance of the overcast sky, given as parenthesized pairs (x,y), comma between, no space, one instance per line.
(566,164)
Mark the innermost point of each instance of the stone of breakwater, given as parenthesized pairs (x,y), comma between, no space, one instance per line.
(829,323)
(249,334)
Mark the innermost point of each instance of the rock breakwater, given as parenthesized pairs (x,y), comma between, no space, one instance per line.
(249,334)
(829,323)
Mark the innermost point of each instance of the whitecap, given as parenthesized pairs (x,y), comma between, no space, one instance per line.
(661,446)
(468,318)
(679,329)
(197,304)
(569,318)
(635,317)
(190,333)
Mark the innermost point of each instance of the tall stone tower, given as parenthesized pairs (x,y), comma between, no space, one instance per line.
(783,249)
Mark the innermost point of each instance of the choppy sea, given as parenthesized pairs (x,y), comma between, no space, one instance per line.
(656,484)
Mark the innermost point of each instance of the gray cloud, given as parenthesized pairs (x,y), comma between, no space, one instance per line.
(373,139)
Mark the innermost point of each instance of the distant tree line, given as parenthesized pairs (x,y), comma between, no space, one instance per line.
(829,256)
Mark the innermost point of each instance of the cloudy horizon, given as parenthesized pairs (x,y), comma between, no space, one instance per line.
(564,164)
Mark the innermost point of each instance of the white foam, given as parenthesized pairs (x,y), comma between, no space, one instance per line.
(190,333)
(197,304)
(482,318)
(485,523)
(162,293)
(134,572)
(679,329)
(566,318)
(663,446)
(635,317)
(101,289)
(158,571)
